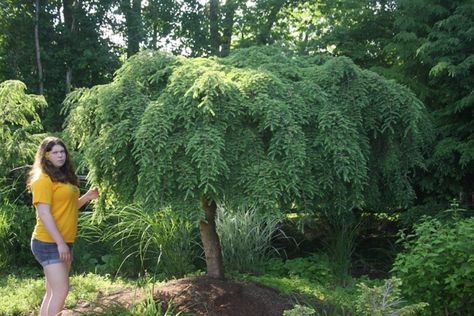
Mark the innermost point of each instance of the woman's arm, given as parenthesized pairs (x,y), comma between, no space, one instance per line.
(44,212)
(87,197)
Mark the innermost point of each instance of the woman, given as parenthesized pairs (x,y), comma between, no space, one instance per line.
(54,187)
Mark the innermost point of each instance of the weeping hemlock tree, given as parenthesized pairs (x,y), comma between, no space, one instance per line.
(259,127)
(19,122)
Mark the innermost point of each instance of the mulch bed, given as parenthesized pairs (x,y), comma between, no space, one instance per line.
(201,296)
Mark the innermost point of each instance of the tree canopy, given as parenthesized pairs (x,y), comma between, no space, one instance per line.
(262,126)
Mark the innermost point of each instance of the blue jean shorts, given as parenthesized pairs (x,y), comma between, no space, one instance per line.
(46,252)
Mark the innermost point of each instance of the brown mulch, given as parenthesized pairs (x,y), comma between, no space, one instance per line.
(202,296)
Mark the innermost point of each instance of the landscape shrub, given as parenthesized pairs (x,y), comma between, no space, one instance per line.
(246,238)
(437,266)
(16,225)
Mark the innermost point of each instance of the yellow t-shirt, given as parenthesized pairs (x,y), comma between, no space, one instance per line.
(62,198)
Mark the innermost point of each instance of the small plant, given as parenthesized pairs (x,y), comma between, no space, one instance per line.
(384,300)
(316,267)
(149,307)
(299,310)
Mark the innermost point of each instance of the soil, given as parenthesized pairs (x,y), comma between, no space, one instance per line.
(202,296)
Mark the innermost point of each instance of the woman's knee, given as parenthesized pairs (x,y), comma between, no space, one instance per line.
(57,278)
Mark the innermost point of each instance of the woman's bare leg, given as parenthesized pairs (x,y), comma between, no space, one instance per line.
(57,278)
(46,299)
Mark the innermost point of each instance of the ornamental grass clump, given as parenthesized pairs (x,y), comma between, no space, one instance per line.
(246,238)
(163,241)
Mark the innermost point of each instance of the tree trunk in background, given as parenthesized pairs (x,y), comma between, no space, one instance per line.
(214,27)
(37,46)
(210,241)
(69,22)
(154,37)
(133,22)
(230,7)
(264,34)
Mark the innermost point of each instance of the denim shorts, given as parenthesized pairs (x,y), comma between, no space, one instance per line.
(46,252)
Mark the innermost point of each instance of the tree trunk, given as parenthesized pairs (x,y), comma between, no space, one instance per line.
(37,46)
(214,26)
(69,22)
(263,36)
(210,240)
(154,37)
(133,21)
(230,7)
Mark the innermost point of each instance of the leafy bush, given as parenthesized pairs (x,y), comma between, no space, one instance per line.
(246,238)
(437,266)
(384,300)
(16,226)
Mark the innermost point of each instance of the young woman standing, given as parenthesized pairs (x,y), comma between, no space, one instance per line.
(54,186)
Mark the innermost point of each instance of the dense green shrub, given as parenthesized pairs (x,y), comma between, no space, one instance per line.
(16,225)
(437,266)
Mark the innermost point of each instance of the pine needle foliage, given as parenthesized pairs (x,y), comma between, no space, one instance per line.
(19,121)
(261,127)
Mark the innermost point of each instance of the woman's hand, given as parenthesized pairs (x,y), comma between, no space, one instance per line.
(92,194)
(64,252)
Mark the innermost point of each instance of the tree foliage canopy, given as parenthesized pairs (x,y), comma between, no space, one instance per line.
(441,37)
(261,126)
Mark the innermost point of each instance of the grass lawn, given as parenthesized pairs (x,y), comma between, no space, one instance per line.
(22,292)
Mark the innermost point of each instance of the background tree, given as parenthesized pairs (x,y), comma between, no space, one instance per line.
(132,10)
(159,20)
(436,50)
(73,53)
(318,133)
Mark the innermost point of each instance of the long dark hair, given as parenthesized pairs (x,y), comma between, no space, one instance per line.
(64,174)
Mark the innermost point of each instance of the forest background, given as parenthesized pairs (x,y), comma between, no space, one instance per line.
(59,49)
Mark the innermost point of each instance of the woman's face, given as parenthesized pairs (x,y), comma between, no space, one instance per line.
(57,156)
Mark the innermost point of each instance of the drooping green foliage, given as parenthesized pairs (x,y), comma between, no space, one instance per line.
(19,121)
(261,127)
